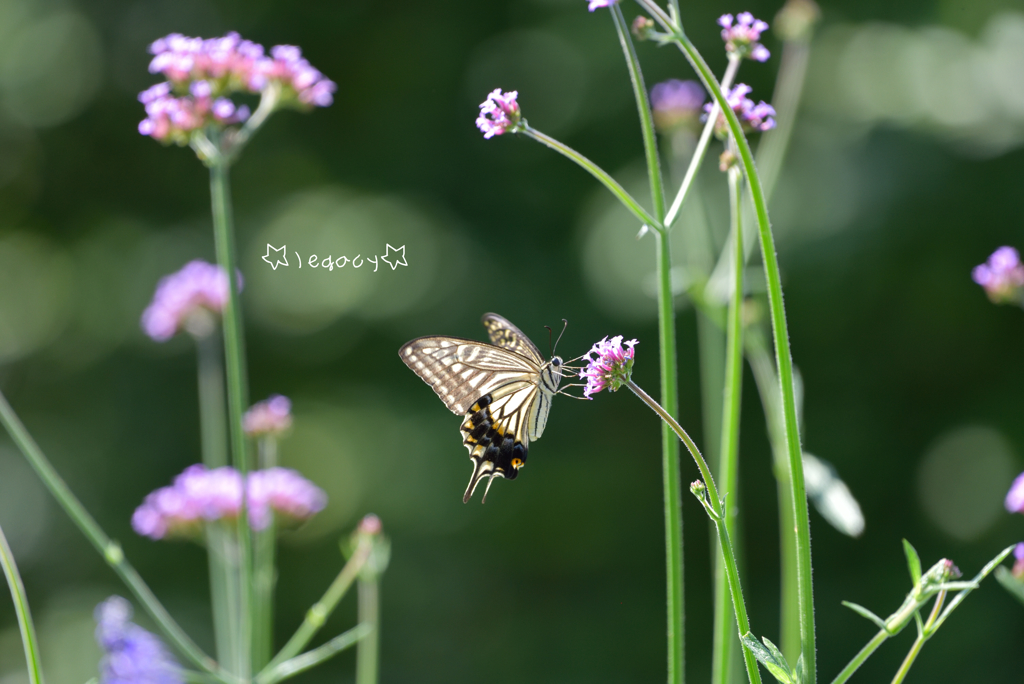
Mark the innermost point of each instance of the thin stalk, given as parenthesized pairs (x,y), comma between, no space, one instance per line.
(214,440)
(264,551)
(21,609)
(314,657)
(767,382)
(675,586)
(728,473)
(234,355)
(110,550)
(732,570)
(594,170)
(923,634)
(368,650)
(702,147)
(861,656)
(322,609)
(222,549)
(783,354)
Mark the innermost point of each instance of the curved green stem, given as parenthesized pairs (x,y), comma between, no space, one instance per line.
(234,355)
(728,472)
(110,550)
(780,333)
(731,568)
(675,587)
(594,170)
(861,656)
(21,609)
(314,657)
(702,147)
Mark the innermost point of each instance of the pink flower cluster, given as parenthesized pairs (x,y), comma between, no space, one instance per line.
(200,495)
(269,417)
(609,365)
(499,113)
(180,297)
(1015,497)
(202,73)
(753,117)
(597,4)
(1002,276)
(742,37)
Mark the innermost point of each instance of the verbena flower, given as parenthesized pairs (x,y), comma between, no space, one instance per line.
(753,117)
(742,37)
(131,654)
(201,495)
(609,365)
(1002,276)
(1015,497)
(1018,566)
(499,113)
(203,73)
(185,300)
(269,417)
(597,4)
(676,103)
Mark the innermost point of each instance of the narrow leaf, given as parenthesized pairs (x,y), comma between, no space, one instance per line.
(865,613)
(913,562)
(778,670)
(776,653)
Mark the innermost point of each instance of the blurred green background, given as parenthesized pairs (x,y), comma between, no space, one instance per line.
(904,172)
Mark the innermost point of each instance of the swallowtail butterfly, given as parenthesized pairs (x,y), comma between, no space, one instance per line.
(503,389)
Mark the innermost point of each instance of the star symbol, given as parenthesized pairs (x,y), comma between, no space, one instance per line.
(278,261)
(399,257)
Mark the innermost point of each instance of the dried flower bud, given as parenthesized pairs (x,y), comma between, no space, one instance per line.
(796,19)
(642,27)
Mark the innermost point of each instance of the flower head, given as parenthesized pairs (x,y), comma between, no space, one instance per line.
(200,495)
(499,113)
(1018,566)
(1015,497)
(609,365)
(676,103)
(742,37)
(185,299)
(753,117)
(269,417)
(203,73)
(1002,276)
(597,4)
(132,655)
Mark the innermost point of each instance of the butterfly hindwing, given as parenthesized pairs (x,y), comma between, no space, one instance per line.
(503,389)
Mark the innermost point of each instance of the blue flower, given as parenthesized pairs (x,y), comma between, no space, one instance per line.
(133,655)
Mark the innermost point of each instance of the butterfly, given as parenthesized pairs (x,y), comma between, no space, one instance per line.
(504,389)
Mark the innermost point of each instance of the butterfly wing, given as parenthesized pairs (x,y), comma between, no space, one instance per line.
(507,336)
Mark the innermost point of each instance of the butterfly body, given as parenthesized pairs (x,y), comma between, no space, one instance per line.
(503,389)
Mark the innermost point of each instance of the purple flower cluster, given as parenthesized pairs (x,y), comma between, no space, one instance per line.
(676,103)
(1018,566)
(131,654)
(609,365)
(1015,497)
(202,74)
(1002,276)
(753,117)
(269,417)
(742,37)
(185,298)
(597,4)
(199,495)
(499,113)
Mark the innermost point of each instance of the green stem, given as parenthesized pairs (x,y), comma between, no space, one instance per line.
(783,355)
(313,657)
(732,570)
(861,656)
(234,354)
(702,147)
(923,634)
(110,550)
(21,609)
(594,170)
(321,610)
(729,460)
(368,651)
(264,550)
(675,586)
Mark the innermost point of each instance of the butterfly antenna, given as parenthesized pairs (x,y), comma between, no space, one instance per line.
(565,324)
(551,347)
(490,480)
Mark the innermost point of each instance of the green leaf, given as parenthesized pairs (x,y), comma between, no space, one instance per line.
(770,657)
(913,562)
(801,669)
(865,613)
(1010,583)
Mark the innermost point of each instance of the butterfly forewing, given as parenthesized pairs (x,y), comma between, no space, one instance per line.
(503,389)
